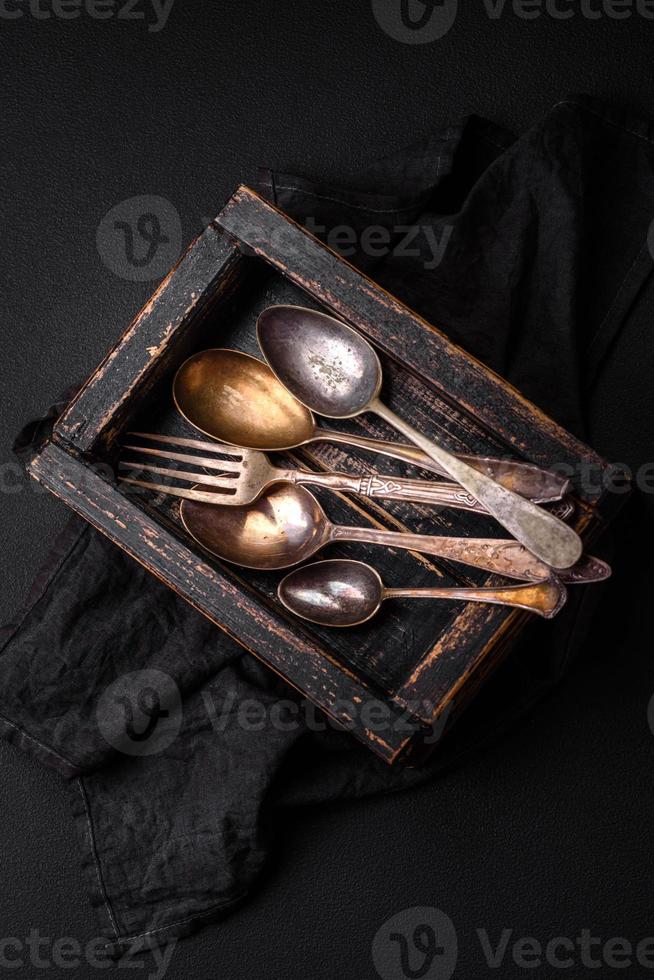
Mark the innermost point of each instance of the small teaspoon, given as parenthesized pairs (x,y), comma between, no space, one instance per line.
(347,593)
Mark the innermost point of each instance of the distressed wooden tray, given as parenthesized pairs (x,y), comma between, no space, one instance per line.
(389,682)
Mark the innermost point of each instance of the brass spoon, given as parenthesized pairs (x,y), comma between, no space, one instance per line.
(348,593)
(334,371)
(286,525)
(236,398)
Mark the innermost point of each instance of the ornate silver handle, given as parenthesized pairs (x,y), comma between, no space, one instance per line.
(393,488)
(526,479)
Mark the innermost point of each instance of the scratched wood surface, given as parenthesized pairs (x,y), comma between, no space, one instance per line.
(161,335)
(420,655)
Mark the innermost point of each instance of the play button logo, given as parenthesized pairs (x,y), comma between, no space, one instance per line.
(415,21)
(416,944)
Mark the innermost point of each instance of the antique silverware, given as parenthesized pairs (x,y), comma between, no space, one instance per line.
(334,371)
(236,398)
(286,525)
(246,473)
(347,593)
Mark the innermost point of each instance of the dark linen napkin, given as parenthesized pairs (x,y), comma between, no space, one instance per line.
(176,745)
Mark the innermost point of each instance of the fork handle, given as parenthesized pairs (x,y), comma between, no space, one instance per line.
(391,488)
(526,479)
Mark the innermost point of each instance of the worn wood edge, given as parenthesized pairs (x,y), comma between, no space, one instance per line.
(241,218)
(145,341)
(427,689)
(103,506)
(427,686)
(462,695)
(472,682)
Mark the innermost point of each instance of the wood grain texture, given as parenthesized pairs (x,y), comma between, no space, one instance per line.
(203,276)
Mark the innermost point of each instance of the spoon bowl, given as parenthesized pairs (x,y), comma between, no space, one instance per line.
(285,526)
(236,398)
(333,593)
(327,365)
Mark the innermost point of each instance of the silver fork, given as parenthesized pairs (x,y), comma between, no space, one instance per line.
(245,473)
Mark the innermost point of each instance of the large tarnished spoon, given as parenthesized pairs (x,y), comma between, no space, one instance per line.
(286,525)
(333,370)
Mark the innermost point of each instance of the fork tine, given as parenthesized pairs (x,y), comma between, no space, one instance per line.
(222,465)
(203,495)
(203,478)
(214,447)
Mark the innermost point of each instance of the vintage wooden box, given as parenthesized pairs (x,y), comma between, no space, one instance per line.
(390,681)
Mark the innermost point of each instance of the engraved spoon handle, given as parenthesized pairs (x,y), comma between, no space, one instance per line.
(501,556)
(528,480)
(544,535)
(546,598)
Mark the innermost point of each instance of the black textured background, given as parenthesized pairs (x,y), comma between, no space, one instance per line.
(546,833)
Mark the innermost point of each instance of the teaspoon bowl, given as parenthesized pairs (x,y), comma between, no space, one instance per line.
(333,593)
(347,593)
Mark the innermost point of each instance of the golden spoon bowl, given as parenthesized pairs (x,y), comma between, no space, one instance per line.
(236,398)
